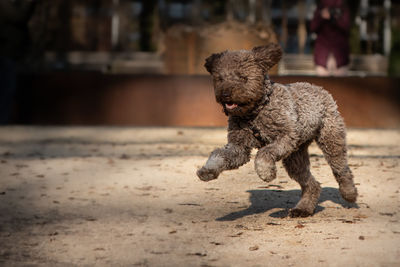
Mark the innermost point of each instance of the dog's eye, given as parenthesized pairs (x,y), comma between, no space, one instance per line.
(243,78)
(217,78)
(240,76)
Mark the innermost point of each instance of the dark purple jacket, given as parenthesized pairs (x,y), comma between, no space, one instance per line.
(332,35)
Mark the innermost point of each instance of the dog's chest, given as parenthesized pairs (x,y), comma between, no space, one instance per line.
(261,133)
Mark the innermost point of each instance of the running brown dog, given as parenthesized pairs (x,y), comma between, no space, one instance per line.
(280,121)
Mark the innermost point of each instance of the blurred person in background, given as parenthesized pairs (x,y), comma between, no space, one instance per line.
(14,45)
(331,23)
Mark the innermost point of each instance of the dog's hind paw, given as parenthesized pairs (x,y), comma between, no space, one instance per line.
(298,212)
(348,191)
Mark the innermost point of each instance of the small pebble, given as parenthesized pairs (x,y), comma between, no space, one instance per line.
(253,248)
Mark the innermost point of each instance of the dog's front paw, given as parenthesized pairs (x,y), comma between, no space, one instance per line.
(265,169)
(206,174)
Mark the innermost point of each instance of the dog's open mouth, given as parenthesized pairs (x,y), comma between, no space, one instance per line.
(230,106)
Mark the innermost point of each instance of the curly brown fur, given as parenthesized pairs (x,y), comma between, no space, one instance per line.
(280,121)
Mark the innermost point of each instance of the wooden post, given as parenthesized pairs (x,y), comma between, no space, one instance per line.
(266,17)
(229,12)
(284,25)
(115,24)
(196,13)
(387,31)
(252,12)
(301,28)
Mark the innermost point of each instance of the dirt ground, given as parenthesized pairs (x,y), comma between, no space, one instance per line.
(130,197)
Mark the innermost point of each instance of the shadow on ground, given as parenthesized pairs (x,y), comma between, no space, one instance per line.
(263,200)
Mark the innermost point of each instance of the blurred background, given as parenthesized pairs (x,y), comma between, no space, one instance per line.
(140,63)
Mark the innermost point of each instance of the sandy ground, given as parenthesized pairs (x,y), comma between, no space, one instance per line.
(130,197)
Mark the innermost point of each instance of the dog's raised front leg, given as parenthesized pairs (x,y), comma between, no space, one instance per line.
(229,157)
(269,154)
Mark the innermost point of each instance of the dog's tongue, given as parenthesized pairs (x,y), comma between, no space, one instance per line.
(230,106)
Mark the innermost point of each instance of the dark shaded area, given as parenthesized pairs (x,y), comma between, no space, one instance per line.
(146,25)
(15,46)
(264,200)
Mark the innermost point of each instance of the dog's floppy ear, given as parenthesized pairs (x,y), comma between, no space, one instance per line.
(267,56)
(211,60)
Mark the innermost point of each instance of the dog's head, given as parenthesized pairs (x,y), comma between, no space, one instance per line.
(238,77)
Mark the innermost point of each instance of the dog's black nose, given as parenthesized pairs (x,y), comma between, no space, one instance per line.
(226,94)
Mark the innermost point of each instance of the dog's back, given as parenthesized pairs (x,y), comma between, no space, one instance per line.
(310,106)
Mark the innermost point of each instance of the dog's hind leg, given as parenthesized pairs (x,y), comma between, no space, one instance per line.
(298,167)
(332,141)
